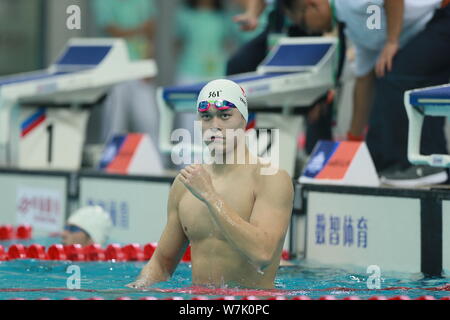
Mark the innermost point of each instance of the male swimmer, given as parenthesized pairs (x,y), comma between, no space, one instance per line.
(234,217)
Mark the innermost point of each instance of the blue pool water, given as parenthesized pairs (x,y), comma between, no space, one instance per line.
(34,279)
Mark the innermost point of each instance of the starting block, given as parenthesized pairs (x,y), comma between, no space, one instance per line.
(42,114)
(432,101)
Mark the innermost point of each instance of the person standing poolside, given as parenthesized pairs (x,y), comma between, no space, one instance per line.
(129,106)
(234,215)
(281,22)
(408,48)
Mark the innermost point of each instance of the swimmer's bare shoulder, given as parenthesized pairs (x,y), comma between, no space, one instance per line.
(268,174)
(171,246)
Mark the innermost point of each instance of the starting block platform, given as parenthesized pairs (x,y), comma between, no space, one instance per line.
(432,101)
(35,136)
(296,73)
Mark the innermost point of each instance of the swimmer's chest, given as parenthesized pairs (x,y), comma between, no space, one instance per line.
(196,219)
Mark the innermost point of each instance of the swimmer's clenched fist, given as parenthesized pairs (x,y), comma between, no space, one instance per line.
(197,180)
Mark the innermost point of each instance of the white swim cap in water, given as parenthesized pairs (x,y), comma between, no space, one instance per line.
(223,89)
(94,220)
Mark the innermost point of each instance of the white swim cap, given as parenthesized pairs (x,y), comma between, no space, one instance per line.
(223,89)
(94,220)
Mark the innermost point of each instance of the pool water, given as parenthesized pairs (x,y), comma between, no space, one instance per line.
(34,279)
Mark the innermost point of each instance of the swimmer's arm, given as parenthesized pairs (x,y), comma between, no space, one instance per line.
(171,246)
(261,238)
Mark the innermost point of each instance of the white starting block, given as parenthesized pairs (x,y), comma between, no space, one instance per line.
(296,73)
(41,123)
(432,101)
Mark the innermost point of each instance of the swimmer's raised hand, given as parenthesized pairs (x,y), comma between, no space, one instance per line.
(197,180)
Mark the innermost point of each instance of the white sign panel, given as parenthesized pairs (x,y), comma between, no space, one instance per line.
(364,230)
(51,138)
(138,208)
(446,236)
(14,186)
(41,208)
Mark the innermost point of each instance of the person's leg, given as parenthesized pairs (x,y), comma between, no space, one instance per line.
(249,56)
(115,111)
(421,63)
(320,116)
(144,111)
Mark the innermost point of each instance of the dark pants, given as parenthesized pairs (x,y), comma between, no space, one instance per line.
(423,62)
(247,59)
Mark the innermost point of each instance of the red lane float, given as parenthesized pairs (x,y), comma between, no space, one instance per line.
(3,254)
(23,232)
(277,298)
(17,251)
(94,252)
(149,249)
(301,298)
(6,232)
(351,298)
(426,298)
(133,252)
(56,252)
(114,252)
(36,251)
(75,252)
(401,297)
(327,298)
(378,298)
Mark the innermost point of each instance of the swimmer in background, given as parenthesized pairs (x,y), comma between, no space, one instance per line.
(87,225)
(234,217)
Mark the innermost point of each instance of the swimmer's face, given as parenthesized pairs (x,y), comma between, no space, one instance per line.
(218,124)
(78,237)
(314,15)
